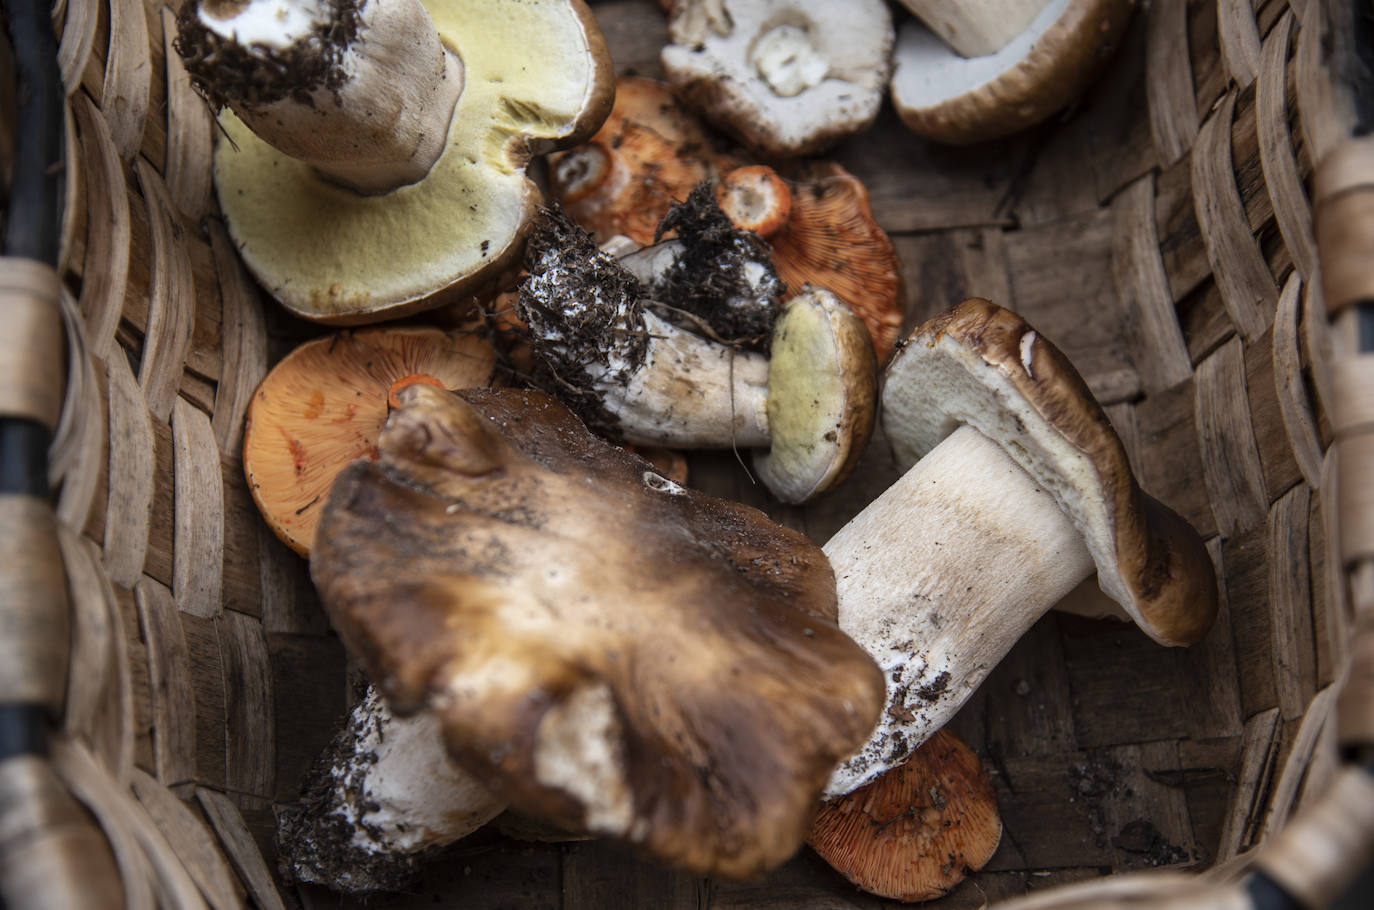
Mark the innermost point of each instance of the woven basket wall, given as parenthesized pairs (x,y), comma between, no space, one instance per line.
(1161,233)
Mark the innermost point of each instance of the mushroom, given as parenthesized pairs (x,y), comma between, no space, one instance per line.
(373,163)
(915,832)
(788,77)
(611,652)
(1019,489)
(324,404)
(808,407)
(383,798)
(961,100)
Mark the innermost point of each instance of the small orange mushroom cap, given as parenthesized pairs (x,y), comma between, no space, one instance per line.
(916,831)
(324,404)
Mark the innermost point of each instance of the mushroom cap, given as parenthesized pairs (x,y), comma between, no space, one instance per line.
(756,199)
(913,833)
(822,396)
(713,65)
(963,100)
(608,650)
(983,366)
(537,76)
(324,405)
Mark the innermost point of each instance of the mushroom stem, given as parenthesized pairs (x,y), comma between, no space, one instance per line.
(361,90)
(976,29)
(973,553)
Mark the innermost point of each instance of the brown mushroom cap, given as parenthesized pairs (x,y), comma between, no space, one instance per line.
(612,652)
(324,405)
(983,366)
(537,76)
(958,100)
(916,831)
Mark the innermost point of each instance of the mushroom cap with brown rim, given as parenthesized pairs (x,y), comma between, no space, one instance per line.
(610,651)
(915,832)
(324,405)
(943,96)
(983,366)
(537,76)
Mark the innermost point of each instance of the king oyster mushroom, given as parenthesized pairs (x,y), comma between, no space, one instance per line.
(1019,489)
(373,163)
(609,651)
(807,408)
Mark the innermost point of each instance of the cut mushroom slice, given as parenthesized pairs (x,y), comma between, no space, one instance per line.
(962,100)
(1019,490)
(613,652)
(382,799)
(324,405)
(810,405)
(788,77)
(914,833)
(369,223)
(976,29)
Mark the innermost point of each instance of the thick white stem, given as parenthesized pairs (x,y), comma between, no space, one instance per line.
(387,124)
(691,393)
(976,29)
(939,577)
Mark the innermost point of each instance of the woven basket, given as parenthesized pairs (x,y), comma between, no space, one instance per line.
(1162,233)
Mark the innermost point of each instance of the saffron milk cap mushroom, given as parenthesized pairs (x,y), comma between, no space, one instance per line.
(957,99)
(787,77)
(611,652)
(373,162)
(1019,489)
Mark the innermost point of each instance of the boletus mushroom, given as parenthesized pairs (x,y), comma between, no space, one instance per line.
(324,404)
(373,161)
(972,80)
(807,408)
(609,651)
(787,77)
(1019,490)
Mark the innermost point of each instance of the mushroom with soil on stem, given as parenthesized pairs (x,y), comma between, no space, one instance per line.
(1019,489)
(609,651)
(969,77)
(324,405)
(787,77)
(807,407)
(373,163)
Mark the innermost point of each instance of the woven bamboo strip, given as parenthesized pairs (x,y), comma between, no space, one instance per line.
(1240,41)
(239,848)
(191,841)
(1317,855)
(128,515)
(244,342)
(169,671)
(250,713)
(1230,459)
(1259,749)
(108,229)
(31,376)
(1289,602)
(189,126)
(171,300)
(1314,720)
(1294,402)
(78,448)
(33,605)
(198,553)
(1169,81)
(79,27)
(1292,210)
(124,98)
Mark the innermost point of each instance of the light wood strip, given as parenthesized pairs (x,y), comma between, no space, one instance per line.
(1337,605)
(171,304)
(191,840)
(1316,342)
(1241,273)
(1290,593)
(1324,113)
(189,133)
(1292,210)
(129,511)
(244,339)
(1169,81)
(1259,747)
(32,381)
(1349,167)
(1295,766)
(251,733)
(108,229)
(1215,706)
(128,76)
(1357,497)
(1345,236)
(1319,855)
(78,447)
(1157,345)
(78,39)
(73,194)
(1240,40)
(1294,403)
(169,678)
(34,634)
(198,544)
(1231,464)
(111,804)
(92,638)
(1352,407)
(240,848)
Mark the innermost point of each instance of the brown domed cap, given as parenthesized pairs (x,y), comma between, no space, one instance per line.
(982,365)
(612,652)
(958,100)
(324,405)
(914,833)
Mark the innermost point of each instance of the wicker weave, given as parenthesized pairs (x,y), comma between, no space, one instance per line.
(1162,233)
